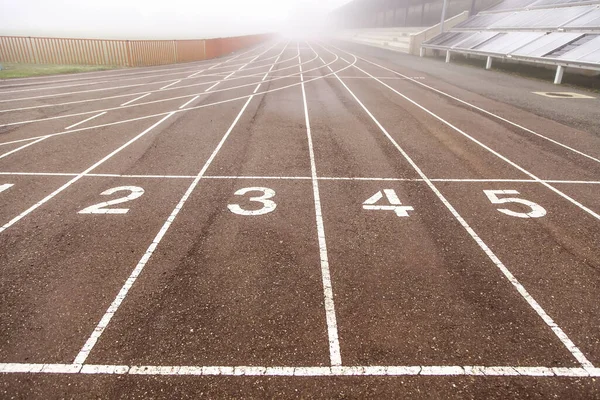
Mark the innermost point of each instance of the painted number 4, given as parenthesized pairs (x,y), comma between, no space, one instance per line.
(536,211)
(392,198)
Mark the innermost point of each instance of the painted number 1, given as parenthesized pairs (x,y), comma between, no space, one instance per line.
(267,204)
(537,211)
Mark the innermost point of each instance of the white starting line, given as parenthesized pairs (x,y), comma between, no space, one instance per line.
(419,370)
(301,178)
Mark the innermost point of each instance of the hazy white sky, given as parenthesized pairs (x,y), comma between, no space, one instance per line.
(158,19)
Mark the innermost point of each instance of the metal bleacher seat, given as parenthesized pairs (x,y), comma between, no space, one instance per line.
(564,33)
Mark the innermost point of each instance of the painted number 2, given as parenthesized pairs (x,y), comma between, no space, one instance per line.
(537,211)
(101,208)
(267,204)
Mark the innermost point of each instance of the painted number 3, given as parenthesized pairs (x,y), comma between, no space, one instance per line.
(537,211)
(267,204)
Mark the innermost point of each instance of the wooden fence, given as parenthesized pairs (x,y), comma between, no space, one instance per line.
(126,53)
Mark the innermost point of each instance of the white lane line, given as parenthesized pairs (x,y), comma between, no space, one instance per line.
(370,370)
(332,330)
(85,120)
(213,66)
(75,179)
(8,153)
(170,84)
(187,103)
(116,303)
(239,69)
(137,98)
(562,336)
(494,152)
(478,108)
(216,83)
(320,178)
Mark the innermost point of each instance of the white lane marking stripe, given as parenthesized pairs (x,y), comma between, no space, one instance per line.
(562,336)
(170,84)
(137,98)
(321,178)
(85,120)
(479,109)
(239,69)
(216,83)
(371,370)
(75,179)
(112,309)
(8,153)
(332,330)
(188,102)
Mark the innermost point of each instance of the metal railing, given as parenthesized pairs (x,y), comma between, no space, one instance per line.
(126,53)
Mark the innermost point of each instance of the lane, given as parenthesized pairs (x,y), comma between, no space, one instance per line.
(59,267)
(232,286)
(400,305)
(565,235)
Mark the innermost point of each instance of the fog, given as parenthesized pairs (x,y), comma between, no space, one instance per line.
(165,19)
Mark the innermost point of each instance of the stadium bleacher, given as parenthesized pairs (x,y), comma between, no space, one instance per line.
(564,33)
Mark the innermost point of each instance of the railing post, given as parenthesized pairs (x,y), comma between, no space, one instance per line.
(488,63)
(128,53)
(559,74)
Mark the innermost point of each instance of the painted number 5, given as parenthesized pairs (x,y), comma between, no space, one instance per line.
(100,208)
(267,205)
(537,211)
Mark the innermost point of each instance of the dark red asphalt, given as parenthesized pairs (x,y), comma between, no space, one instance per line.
(191,275)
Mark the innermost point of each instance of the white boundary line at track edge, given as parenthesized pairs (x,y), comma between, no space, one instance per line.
(118,300)
(370,370)
(332,330)
(562,336)
(476,107)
